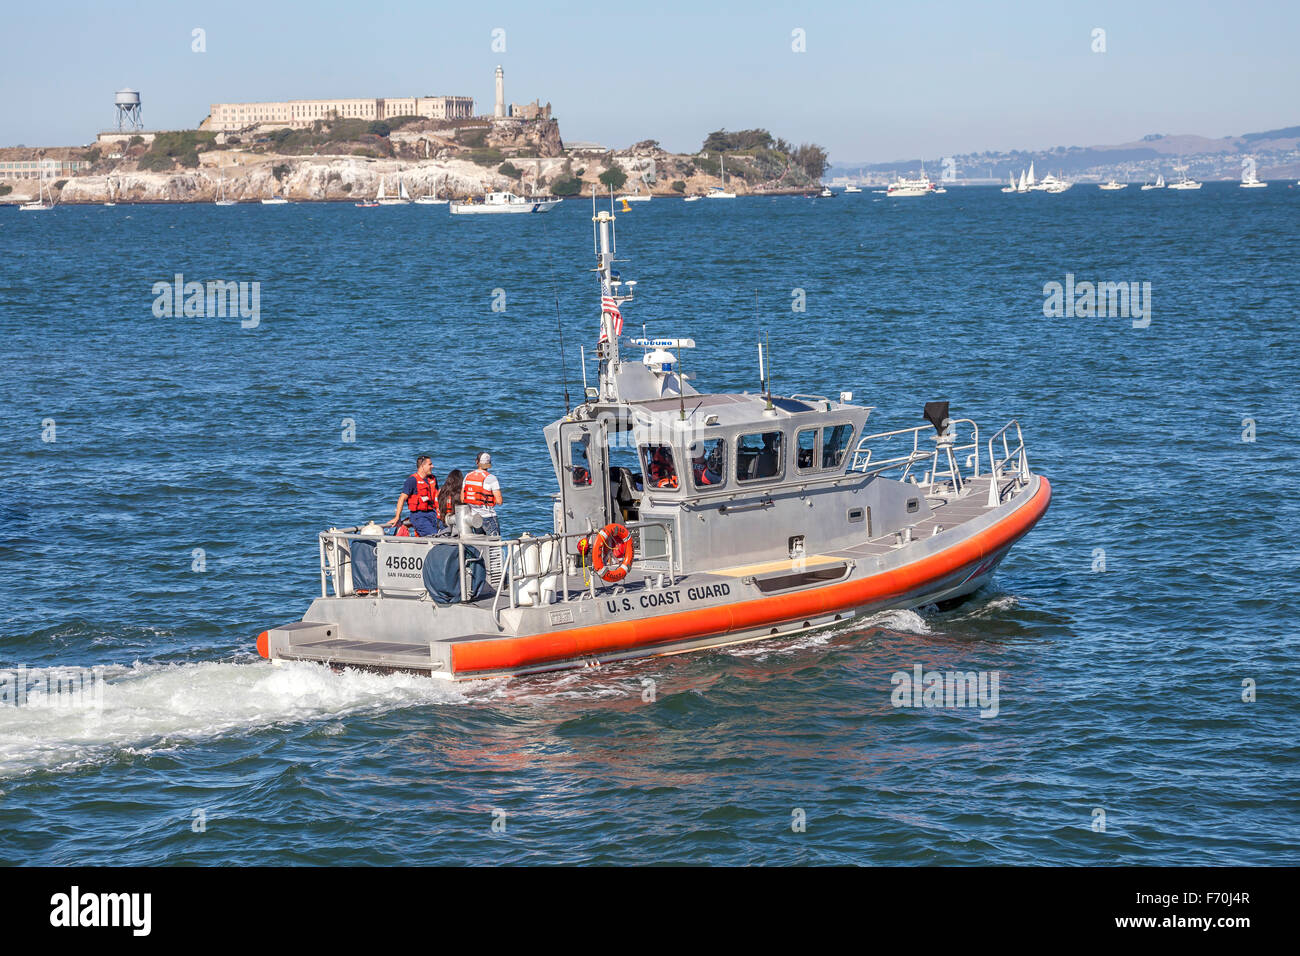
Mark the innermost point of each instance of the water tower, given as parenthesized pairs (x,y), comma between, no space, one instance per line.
(128,110)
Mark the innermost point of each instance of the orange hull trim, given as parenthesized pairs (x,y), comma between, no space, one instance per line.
(556,646)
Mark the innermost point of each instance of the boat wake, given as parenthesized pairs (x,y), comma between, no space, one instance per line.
(153,708)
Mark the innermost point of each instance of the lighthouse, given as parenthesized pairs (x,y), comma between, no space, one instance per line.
(500,111)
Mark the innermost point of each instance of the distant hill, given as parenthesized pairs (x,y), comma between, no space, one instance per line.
(1276,153)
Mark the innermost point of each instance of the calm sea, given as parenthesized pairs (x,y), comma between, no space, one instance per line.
(162,480)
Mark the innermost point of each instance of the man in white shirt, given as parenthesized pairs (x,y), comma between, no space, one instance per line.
(482,492)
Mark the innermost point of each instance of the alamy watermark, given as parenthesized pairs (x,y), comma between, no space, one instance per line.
(946,689)
(1103,300)
(214,299)
(54,688)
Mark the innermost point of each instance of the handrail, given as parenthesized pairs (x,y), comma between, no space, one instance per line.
(333,566)
(997,467)
(862,454)
(515,574)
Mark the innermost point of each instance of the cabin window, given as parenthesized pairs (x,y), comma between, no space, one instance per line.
(805,449)
(658,467)
(579,465)
(835,443)
(708,462)
(758,456)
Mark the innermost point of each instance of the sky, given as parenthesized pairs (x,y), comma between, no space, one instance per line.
(874,82)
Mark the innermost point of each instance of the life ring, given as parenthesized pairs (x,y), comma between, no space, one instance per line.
(617,541)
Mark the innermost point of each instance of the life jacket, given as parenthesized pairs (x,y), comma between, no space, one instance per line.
(426,495)
(661,473)
(702,475)
(472,491)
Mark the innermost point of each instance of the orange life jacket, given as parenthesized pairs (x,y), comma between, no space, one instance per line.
(426,494)
(472,491)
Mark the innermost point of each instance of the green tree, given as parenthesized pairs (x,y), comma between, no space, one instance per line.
(156,162)
(509,169)
(613,178)
(280,170)
(379,128)
(566,187)
(679,186)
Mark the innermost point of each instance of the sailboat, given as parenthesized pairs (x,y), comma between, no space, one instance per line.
(275,200)
(110,201)
(40,203)
(1021,187)
(1158,184)
(401,199)
(429,199)
(1010,187)
(636,195)
(221,194)
(1184,181)
(1250,181)
(720,192)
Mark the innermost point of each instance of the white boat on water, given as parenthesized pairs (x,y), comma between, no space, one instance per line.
(853,189)
(430,200)
(1184,181)
(44,200)
(221,195)
(1158,184)
(693,198)
(826,193)
(1250,181)
(635,196)
(902,186)
(275,201)
(503,202)
(403,198)
(1010,187)
(1112,186)
(720,192)
(1048,184)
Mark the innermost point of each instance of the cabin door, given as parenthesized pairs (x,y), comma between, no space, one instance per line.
(584,475)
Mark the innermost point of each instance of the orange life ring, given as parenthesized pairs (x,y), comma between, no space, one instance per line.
(615,540)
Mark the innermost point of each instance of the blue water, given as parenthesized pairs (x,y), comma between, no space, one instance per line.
(1120,689)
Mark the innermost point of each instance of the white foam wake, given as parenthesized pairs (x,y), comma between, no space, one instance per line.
(154,707)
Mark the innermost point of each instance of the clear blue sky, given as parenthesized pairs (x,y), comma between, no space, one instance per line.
(878,82)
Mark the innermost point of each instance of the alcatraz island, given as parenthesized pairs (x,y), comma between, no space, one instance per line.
(345,149)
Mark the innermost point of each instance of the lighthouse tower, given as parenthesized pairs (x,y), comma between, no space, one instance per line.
(500,111)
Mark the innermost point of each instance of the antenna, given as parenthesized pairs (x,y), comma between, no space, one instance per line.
(559,326)
(564,365)
(767,347)
(681,384)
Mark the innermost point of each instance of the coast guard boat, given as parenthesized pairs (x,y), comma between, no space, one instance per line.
(683,520)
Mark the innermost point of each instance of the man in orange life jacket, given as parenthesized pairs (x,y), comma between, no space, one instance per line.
(662,473)
(482,492)
(420,495)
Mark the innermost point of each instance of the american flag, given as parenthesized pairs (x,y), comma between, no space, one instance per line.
(610,307)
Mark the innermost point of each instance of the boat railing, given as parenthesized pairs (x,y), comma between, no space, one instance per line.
(524,572)
(1012,468)
(537,571)
(953,458)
